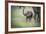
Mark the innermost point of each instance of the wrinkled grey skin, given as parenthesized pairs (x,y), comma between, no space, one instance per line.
(28,15)
(28,12)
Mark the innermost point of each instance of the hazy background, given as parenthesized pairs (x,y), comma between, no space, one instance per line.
(18,20)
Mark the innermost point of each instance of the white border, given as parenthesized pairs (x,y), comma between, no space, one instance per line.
(22,29)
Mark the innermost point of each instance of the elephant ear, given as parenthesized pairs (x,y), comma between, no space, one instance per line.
(25,14)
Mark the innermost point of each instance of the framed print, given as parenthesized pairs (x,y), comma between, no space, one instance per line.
(23,16)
